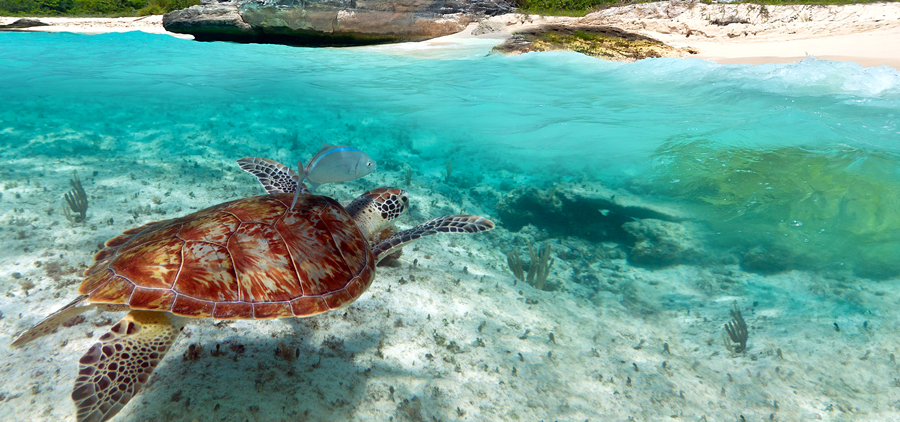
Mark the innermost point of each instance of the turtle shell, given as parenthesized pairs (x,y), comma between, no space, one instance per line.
(253,258)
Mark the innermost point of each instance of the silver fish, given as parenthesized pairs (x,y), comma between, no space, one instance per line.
(334,164)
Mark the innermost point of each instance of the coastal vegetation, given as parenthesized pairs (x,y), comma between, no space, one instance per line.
(109,8)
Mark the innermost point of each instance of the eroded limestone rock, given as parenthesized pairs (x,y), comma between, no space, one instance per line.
(329,22)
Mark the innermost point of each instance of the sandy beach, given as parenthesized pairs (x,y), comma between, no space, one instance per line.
(724,33)
(753,34)
(151,24)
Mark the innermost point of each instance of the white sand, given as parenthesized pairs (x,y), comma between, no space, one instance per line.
(866,34)
(151,24)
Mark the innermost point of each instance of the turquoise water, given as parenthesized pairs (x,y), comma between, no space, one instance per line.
(777,167)
(546,114)
(534,119)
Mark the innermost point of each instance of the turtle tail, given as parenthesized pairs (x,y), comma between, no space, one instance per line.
(460,223)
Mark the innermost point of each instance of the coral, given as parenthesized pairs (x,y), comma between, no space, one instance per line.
(538,267)
(515,264)
(737,332)
(449,167)
(78,203)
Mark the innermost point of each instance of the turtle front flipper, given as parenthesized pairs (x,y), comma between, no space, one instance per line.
(274,176)
(460,223)
(48,324)
(114,369)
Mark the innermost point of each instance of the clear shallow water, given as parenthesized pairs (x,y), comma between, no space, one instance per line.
(723,140)
(535,119)
(565,109)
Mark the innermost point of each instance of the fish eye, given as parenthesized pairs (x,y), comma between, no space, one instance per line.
(369,164)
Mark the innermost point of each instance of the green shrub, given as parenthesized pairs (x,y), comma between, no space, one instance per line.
(563,7)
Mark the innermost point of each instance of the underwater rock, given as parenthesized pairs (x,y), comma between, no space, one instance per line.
(662,243)
(586,211)
(329,22)
(598,41)
(767,260)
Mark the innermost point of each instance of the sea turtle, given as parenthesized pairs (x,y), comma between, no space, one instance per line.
(253,258)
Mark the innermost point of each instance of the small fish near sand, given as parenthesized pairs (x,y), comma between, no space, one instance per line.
(334,164)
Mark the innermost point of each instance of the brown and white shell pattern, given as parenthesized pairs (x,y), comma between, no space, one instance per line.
(253,258)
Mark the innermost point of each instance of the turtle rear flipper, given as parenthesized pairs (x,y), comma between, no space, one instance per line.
(114,369)
(460,223)
(48,324)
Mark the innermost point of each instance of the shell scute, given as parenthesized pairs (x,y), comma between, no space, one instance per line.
(95,280)
(359,284)
(233,310)
(152,299)
(345,235)
(115,290)
(207,273)
(188,306)
(272,310)
(309,253)
(337,299)
(154,264)
(264,210)
(152,233)
(263,265)
(308,306)
(216,228)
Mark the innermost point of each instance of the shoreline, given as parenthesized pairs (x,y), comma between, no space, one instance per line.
(92,26)
(723,33)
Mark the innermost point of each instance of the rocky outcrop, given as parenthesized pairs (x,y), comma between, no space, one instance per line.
(329,22)
(587,211)
(598,41)
(23,23)
(662,243)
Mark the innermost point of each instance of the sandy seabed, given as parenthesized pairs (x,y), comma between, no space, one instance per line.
(449,334)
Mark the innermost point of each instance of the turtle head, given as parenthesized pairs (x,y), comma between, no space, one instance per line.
(377,209)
